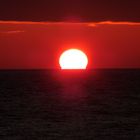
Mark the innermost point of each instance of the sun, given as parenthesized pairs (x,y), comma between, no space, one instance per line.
(73,59)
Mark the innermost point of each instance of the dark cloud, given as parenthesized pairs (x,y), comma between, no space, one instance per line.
(70,10)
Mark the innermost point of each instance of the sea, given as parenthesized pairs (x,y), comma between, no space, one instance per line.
(99,104)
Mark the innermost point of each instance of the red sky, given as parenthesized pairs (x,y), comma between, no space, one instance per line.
(29,45)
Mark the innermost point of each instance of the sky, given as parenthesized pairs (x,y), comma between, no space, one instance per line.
(37,45)
(34,34)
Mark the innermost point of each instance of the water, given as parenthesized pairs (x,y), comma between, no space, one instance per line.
(53,104)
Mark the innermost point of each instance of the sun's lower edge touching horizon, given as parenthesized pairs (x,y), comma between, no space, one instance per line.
(73,59)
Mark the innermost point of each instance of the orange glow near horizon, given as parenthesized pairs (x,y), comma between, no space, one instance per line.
(73,59)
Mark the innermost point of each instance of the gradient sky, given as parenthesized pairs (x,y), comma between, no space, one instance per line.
(38,45)
(33,34)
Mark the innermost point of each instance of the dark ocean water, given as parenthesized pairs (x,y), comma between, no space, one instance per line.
(70,105)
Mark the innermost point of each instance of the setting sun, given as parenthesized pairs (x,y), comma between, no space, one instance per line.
(73,59)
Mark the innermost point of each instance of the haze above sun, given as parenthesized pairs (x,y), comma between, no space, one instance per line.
(73,59)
